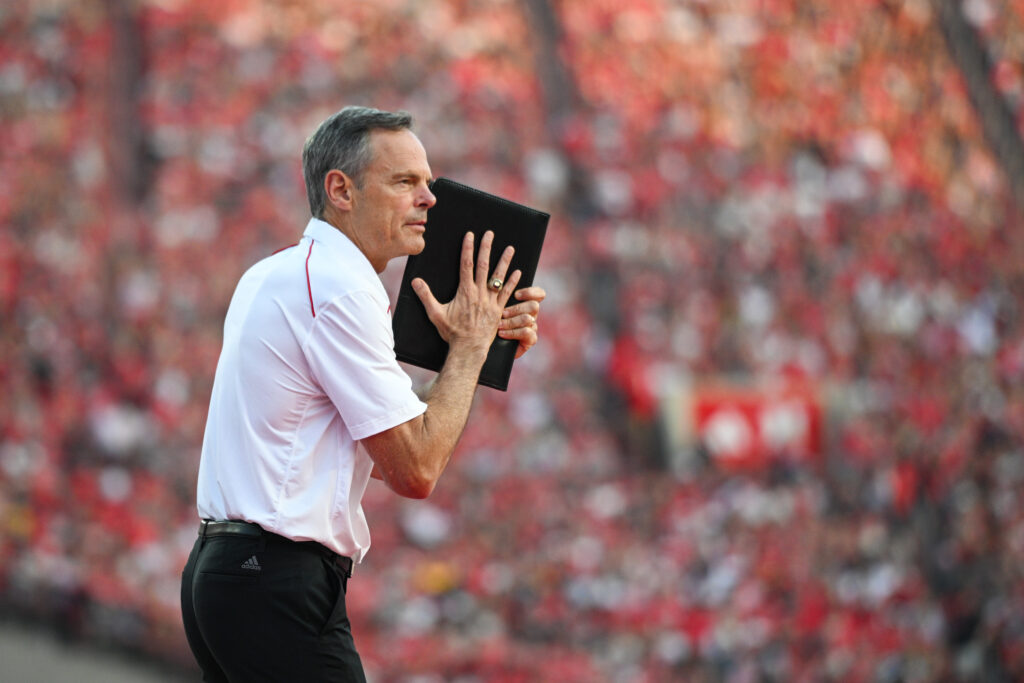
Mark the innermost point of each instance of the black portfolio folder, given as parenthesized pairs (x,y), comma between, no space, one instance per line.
(461,209)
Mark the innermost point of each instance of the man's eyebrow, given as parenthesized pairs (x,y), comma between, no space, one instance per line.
(402,175)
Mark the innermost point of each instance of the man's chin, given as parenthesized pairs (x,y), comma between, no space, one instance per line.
(416,246)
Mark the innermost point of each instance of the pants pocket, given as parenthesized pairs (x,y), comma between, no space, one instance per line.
(338,581)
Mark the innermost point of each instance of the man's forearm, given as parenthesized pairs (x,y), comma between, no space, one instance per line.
(411,457)
(450,399)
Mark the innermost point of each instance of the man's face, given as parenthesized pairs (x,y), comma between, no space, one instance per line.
(389,210)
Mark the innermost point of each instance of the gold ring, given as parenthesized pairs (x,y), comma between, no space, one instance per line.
(496,284)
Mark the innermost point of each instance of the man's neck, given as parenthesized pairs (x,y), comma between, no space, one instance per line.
(333,219)
(336,220)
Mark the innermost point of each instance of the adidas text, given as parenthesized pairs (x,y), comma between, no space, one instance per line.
(252,563)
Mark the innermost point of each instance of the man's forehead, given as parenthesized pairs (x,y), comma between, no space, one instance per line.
(398,150)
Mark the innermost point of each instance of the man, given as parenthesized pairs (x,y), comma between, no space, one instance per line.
(309,402)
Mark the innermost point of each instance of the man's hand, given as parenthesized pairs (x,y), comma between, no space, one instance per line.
(520,321)
(410,457)
(472,317)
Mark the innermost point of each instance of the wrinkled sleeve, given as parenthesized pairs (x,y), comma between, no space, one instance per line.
(351,352)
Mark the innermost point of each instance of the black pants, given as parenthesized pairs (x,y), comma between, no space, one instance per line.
(267,609)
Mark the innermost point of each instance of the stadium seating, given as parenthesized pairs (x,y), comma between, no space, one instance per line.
(744,194)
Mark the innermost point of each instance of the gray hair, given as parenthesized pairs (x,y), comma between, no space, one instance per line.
(342,142)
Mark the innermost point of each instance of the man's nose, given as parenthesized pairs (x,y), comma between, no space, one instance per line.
(426,198)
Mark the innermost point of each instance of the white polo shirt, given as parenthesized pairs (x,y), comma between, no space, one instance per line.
(307,370)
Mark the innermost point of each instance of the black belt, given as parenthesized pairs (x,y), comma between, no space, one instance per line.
(233,527)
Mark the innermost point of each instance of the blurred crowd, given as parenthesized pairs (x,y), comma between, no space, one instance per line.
(783,191)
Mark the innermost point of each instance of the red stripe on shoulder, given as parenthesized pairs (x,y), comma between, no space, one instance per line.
(283,248)
(309,285)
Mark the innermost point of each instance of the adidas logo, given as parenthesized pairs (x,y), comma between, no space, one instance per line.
(251,563)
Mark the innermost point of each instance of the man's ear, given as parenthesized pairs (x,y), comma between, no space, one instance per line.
(338,187)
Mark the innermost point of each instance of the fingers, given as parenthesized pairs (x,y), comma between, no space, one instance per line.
(503,263)
(530,298)
(531,294)
(527,308)
(523,314)
(434,308)
(422,289)
(517,321)
(526,336)
(520,332)
(466,260)
(509,286)
(473,315)
(519,318)
(483,259)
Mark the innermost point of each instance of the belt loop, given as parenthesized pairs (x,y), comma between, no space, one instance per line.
(202,534)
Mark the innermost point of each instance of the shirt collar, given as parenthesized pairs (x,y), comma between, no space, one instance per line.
(336,241)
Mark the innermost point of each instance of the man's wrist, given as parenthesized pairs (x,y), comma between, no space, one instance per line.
(461,369)
(468,348)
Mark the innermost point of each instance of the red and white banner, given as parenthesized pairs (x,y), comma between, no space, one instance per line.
(749,426)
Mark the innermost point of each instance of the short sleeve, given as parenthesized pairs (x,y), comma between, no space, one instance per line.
(351,353)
